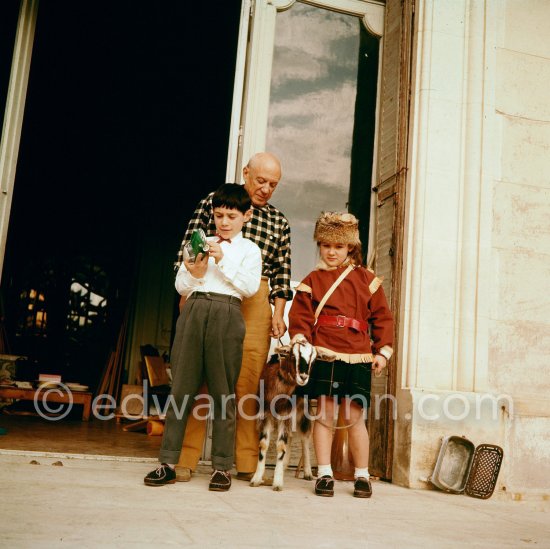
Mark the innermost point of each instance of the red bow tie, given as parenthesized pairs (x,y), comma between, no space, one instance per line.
(222,239)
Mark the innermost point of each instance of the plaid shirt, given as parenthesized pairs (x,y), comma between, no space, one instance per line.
(268,228)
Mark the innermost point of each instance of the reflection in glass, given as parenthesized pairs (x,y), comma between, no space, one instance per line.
(312,118)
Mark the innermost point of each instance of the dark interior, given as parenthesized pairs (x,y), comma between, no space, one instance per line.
(126,127)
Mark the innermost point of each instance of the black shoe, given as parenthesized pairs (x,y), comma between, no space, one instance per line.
(324,486)
(362,488)
(162,475)
(220,481)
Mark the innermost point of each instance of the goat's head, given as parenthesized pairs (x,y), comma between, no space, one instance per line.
(304,354)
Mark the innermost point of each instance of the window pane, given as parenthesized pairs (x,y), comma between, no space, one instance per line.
(312,118)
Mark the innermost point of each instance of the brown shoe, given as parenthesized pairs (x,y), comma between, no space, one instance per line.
(183,474)
(324,486)
(220,481)
(244,476)
(362,488)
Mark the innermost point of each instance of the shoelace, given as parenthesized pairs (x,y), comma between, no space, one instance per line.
(161,470)
(224,473)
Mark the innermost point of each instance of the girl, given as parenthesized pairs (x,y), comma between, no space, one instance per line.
(353,333)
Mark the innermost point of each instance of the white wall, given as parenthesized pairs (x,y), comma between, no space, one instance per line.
(519,349)
(476,310)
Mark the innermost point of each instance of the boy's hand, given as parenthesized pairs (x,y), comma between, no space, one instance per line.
(378,364)
(199,267)
(215,251)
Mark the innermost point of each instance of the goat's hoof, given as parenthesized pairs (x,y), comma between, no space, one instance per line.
(277,488)
(255,483)
(308,477)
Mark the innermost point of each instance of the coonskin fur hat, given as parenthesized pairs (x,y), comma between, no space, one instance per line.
(337,228)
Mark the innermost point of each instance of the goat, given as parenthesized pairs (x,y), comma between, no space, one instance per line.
(285,370)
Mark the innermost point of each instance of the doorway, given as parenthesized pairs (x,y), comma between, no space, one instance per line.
(125,129)
(312,93)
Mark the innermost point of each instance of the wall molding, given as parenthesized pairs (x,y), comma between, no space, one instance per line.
(449,209)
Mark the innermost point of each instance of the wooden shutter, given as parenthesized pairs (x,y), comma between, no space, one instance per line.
(390,193)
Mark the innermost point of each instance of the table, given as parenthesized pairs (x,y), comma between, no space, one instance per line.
(51,395)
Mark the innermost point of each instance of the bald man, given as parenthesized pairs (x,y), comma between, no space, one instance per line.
(269,229)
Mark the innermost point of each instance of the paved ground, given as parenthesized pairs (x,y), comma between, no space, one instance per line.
(104,503)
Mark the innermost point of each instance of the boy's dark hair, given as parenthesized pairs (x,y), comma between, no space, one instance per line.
(232,196)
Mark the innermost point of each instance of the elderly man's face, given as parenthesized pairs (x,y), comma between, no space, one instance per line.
(260,180)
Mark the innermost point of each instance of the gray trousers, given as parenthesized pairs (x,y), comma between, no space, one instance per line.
(208,345)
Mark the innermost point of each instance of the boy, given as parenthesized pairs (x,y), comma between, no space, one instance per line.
(209,335)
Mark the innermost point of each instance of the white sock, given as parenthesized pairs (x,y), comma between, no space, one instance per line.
(323,470)
(171,465)
(361,472)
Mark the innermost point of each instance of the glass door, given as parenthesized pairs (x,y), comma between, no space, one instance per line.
(306,88)
(325,68)
(310,88)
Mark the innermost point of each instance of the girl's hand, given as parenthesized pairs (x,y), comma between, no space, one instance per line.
(378,364)
(199,267)
(215,251)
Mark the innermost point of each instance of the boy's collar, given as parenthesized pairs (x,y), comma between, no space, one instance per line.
(238,236)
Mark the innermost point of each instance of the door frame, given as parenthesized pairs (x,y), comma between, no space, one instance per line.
(14,111)
(251,103)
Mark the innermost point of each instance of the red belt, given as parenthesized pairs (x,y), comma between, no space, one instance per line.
(342,322)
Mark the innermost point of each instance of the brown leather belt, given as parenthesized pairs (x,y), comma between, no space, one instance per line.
(343,322)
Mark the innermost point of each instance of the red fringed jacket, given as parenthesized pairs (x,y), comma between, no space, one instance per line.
(359,296)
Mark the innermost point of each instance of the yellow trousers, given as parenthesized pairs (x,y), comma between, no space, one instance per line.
(257,316)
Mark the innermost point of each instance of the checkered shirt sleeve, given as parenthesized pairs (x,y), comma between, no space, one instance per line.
(268,228)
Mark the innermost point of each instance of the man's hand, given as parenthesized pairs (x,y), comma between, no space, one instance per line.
(278,326)
(198,268)
(378,364)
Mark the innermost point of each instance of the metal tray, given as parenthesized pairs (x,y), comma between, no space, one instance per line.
(453,464)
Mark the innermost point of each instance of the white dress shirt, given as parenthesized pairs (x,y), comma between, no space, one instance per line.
(238,273)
